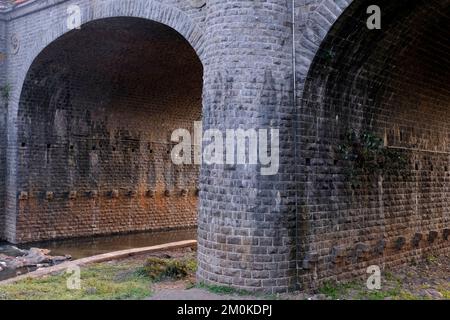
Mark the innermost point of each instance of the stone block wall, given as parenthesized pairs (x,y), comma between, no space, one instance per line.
(95,123)
(391,83)
(246,220)
(3,114)
(88,129)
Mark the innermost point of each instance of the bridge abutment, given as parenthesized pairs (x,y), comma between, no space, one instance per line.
(272,233)
(3,124)
(246,219)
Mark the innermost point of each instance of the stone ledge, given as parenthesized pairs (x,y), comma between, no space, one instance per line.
(101,258)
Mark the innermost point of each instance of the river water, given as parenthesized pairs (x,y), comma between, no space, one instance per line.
(85,247)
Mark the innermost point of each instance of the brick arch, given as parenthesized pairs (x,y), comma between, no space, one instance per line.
(153,11)
(390,83)
(150,10)
(313,28)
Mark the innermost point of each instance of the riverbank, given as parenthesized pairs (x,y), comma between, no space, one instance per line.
(170,274)
(14,260)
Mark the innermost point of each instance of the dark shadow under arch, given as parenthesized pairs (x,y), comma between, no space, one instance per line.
(391,83)
(95,116)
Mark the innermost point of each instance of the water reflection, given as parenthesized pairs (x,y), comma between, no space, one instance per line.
(85,247)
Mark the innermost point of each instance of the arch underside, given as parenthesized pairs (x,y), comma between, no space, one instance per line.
(95,118)
(390,84)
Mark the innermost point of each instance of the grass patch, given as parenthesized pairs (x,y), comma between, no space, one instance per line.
(223,290)
(337,290)
(358,290)
(445,290)
(431,259)
(380,294)
(159,269)
(404,295)
(98,282)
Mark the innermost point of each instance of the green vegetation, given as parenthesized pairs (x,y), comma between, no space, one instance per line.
(430,259)
(445,290)
(108,280)
(358,290)
(133,279)
(98,282)
(367,156)
(223,290)
(159,269)
(5,92)
(337,290)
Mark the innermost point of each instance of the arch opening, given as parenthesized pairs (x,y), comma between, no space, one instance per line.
(390,85)
(96,114)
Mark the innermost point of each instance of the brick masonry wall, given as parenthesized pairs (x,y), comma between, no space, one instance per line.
(94,132)
(392,83)
(246,220)
(250,236)
(37,24)
(3,112)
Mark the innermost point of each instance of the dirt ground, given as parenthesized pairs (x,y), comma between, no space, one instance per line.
(428,279)
(170,275)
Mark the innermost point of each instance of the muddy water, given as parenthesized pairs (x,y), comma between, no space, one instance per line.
(85,247)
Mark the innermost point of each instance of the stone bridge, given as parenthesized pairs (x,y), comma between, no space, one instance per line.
(86,116)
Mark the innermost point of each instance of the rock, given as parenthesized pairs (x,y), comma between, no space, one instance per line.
(37,251)
(34,257)
(11,251)
(10,262)
(60,259)
(434,293)
(15,264)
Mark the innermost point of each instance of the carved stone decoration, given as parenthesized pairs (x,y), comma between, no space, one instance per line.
(15,44)
(198,3)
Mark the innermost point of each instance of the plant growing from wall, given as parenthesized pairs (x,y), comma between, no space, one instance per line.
(367,155)
(5,92)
